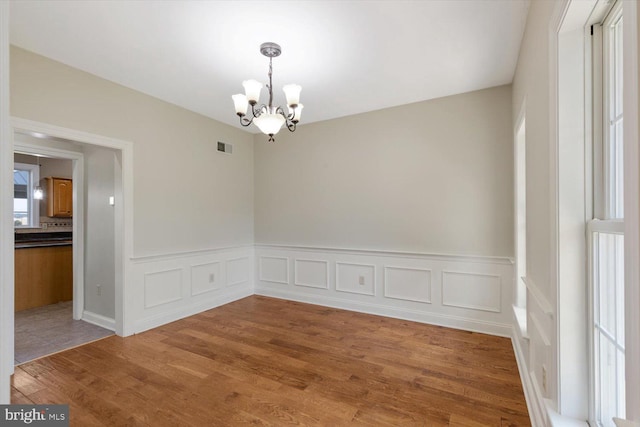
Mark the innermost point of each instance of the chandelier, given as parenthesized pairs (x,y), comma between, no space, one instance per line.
(268,118)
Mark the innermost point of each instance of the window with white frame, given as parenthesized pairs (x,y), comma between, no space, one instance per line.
(606,230)
(25,207)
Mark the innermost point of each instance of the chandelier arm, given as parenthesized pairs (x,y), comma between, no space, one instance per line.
(245,122)
(291,126)
(257,111)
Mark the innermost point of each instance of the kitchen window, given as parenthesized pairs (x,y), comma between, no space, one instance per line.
(26,210)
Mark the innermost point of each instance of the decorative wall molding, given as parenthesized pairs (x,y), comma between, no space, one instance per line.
(472,290)
(535,403)
(400,282)
(206,277)
(273,269)
(538,296)
(238,271)
(398,254)
(355,278)
(411,287)
(312,273)
(187,254)
(162,287)
(175,287)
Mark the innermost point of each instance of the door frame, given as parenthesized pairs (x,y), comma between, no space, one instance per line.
(123,212)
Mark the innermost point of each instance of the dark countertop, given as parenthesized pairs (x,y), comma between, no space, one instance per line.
(42,240)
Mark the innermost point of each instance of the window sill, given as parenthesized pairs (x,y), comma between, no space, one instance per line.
(520,314)
(557,420)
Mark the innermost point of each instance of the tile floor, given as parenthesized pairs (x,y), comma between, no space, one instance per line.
(46,330)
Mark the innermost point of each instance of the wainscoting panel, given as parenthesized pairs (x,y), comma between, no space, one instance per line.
(477,295)
(411,284)
(471,290)
(239,271)
(205,278)
(355,278)
(311,273)
(162,287)
(274,269)
(175,286)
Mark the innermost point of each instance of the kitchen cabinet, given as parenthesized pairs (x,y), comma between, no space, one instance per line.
(59,197)
(43,276)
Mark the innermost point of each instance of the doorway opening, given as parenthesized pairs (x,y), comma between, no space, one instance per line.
(100,246)
(53,310)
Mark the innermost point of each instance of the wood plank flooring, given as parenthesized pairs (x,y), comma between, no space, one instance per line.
(264,361)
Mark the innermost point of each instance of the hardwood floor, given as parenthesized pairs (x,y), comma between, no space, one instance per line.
(265,361)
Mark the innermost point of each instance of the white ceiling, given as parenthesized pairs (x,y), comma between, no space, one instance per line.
(349,56)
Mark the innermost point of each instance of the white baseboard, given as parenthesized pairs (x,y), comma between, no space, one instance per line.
(535,403)
(462,292)
(169,316)
(99,320)
(397,313)
(173,286)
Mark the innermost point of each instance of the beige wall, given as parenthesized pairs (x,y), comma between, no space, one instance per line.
(100,165)
(60,168)
(187,195)
(433,177)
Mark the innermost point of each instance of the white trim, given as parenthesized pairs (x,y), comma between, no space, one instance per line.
(351,291)
(467,324)
(227,262)
(520,318)
(518,187)
(558,420)
(225,296)
(538,296)
(555,24)
(34,204)
(468,317)
(533,400)
(310,285)
(612,226)
(123,211)
(473,306)
(6,216)
(387,294)
(184,254)
(262,279)
(99,320)
(397,254)
(632,209)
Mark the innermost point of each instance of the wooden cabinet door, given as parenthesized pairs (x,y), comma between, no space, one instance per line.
(43,276)
(59,197)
